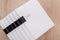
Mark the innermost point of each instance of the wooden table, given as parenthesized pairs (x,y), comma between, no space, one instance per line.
(52,7)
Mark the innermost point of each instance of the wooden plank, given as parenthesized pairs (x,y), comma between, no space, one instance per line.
(2,8)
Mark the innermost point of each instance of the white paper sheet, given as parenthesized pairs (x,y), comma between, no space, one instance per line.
(38,22)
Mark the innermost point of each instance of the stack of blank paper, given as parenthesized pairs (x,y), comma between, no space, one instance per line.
(28,22)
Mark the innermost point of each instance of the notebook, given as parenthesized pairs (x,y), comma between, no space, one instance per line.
(27,22)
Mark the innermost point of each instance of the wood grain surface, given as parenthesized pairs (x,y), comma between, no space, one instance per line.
(52,7)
